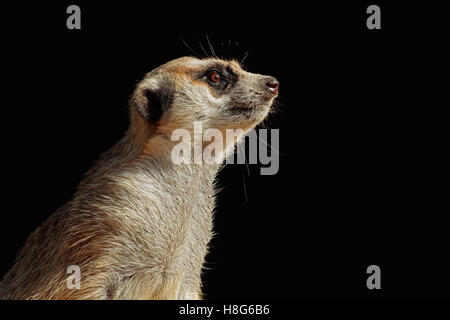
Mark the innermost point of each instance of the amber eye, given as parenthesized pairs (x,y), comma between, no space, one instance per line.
(214,77)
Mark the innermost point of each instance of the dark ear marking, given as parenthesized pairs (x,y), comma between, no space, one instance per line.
(151,104)
(153,110)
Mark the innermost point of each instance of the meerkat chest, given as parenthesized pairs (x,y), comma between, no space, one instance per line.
(175,220)
(190,206)
(176,206)
(179,205)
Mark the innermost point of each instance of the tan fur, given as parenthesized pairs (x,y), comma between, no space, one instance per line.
(138,226)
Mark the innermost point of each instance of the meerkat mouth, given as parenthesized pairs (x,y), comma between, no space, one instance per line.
(246,107)
(242,107)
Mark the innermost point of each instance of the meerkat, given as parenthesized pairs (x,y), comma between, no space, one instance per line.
(139,225)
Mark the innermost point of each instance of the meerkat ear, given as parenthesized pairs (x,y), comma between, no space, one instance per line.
(152,103)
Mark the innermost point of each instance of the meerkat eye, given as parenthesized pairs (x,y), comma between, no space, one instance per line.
(214,77)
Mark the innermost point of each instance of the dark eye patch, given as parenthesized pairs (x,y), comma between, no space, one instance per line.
(227,76)
(232,76)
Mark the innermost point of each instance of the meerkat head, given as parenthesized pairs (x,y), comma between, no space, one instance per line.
(217,92)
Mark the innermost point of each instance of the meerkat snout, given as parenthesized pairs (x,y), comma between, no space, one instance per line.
(272,85)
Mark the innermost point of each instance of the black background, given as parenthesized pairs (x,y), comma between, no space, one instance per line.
(359,179)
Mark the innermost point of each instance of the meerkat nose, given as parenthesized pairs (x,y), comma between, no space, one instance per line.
(272,85)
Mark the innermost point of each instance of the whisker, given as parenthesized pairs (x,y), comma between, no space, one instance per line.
(271,148)
(245,57)
(203,49)
(187,46)
(245,157)
(242,174)
(275,107)
(243,183)
(210,46)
